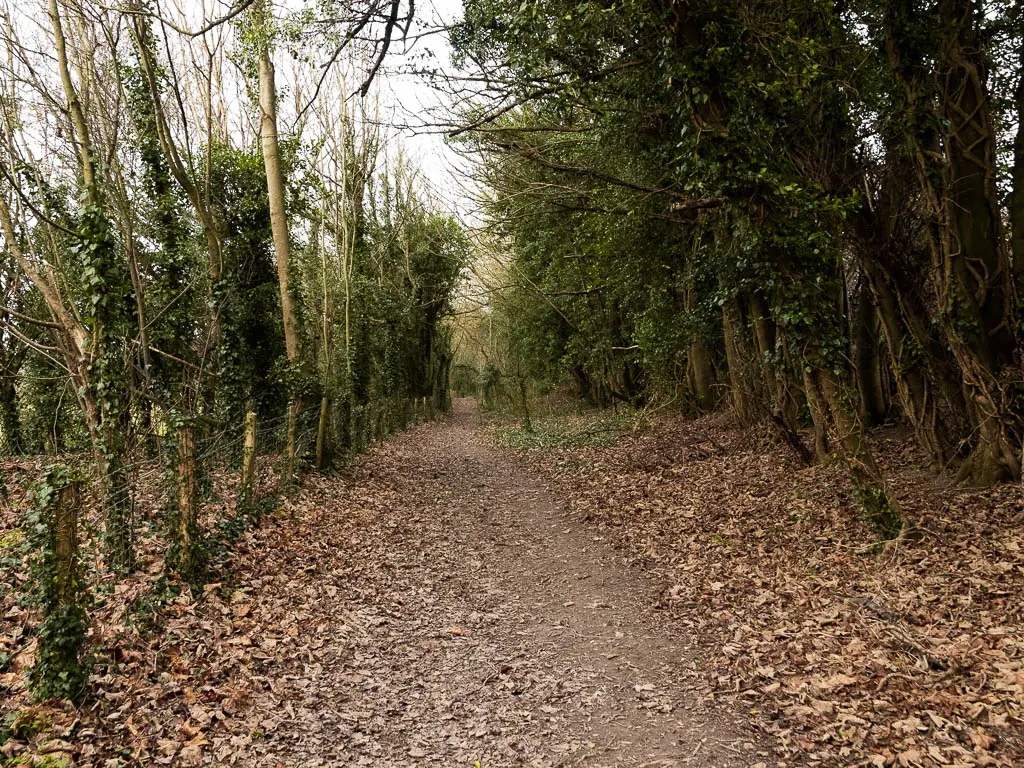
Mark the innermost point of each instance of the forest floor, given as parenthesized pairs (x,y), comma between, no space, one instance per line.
(681,595)
(434,606)
(853,652)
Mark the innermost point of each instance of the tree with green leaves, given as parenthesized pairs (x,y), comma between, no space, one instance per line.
(795,202)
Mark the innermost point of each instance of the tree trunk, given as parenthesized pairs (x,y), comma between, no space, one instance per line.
(740,359)
(119,533)
(774,395)
(65,540)
(78,121)
(245,494)
(700,372)
(144,43)
(971,274)
(188,549)
(291,442)
(866,358)
(818,417)
(278,224)
(918,361)
(868,484)
(764,338)
(59,671)
(913,383)
(323,451)
(91,360)
(701,375)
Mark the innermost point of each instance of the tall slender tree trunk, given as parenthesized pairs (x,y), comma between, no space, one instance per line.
(278,224)
(819,418)
(199,198)
(322,437)
(866,358)
(82,136)
(93,345)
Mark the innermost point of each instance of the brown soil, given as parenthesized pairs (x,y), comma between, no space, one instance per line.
(444,610)
(679,594)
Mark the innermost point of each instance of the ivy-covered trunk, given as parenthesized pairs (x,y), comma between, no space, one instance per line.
(915,387)
(60,670)
(744,376)
(118,505)
(867,358)
(819,417)
(970,272)
(868,483)
(10,423)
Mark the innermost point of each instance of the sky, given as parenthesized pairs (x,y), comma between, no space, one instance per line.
(412,102)
(407,101)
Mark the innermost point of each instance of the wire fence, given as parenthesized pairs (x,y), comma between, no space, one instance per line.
(144,486)
(66,547)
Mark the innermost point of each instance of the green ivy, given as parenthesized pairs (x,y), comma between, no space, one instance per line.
(61,669)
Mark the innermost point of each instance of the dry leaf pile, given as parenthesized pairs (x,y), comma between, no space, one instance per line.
(909,654)
(432,606)
(134,623)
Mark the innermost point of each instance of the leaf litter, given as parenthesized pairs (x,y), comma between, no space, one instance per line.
(432,605)
(701,600)
(851,653)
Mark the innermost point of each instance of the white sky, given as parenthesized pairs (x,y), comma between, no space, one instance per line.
(407,101)
(415,102)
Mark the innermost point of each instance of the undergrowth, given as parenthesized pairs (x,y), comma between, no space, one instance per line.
(589,428)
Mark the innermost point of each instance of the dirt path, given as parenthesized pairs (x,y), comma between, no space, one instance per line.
(456,615)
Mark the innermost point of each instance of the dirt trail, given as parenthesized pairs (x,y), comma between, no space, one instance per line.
(469,619)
